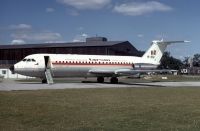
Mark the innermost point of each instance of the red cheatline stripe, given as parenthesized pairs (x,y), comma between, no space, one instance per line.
(91,63)
(82,64)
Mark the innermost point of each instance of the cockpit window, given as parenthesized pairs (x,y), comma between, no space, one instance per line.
(28,60)
(33,60)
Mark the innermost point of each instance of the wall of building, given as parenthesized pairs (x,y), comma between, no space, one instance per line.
(6,73)
(9,57)
(191,71)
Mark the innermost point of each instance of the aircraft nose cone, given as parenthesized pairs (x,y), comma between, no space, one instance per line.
(12,68)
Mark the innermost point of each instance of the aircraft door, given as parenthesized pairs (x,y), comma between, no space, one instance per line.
(48,72)
(47,62)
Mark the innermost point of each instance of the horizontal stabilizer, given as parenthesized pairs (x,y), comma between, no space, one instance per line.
(170,42)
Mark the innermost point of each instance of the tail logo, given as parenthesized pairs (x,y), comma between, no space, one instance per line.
(153,54)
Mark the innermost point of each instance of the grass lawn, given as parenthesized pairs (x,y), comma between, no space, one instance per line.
(139,109)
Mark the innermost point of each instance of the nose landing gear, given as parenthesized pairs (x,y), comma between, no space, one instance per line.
(12,68)
(44,81)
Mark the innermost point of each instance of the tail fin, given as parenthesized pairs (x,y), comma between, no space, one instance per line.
(155,52)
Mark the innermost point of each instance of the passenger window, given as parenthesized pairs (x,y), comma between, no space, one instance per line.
(24,60)
(28,60)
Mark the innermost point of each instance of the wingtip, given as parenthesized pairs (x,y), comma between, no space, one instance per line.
(187,41)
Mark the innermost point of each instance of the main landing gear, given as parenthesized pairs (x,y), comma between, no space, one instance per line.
(113,80)
(100,79)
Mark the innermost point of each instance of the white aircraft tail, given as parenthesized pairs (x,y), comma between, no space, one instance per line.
(155,52)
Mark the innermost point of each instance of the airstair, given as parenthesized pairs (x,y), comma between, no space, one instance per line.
(49,76)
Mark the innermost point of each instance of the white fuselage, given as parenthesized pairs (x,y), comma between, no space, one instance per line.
(68,65)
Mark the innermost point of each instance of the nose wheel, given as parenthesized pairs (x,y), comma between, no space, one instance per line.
(44,81)
(12,68)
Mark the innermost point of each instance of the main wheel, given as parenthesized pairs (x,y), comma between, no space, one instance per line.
(114,80)
(100,79)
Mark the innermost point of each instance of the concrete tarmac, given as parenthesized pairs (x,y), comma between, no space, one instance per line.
(12,85)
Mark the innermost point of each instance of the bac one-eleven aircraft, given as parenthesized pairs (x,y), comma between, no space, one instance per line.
(49,66)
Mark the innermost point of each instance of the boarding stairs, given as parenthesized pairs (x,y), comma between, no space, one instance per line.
(49,77)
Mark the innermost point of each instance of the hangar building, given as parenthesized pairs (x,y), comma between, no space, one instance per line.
(10,54)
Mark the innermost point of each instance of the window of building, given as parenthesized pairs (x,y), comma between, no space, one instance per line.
(3,72)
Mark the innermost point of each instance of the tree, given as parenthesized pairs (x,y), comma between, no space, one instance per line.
(196,60)
(186,62)
(169,62)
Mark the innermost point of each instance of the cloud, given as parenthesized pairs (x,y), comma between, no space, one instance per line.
(49,10)
(44,36)
(161,36)
(37,36)
(84,35)
(73,12)
(140,35)
(80,38)
(24,33)
(20,27)
(141,8)
(56,41)
(19,41)
(85,4)
(80,28)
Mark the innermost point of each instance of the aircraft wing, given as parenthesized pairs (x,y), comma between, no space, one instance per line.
(102,72)
(133,72)
(125,72)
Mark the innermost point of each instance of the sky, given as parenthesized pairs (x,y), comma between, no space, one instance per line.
(136,21)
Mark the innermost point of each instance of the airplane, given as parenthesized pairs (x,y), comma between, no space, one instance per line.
(49,66)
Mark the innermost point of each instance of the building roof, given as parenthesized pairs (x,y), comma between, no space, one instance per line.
(70,44)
